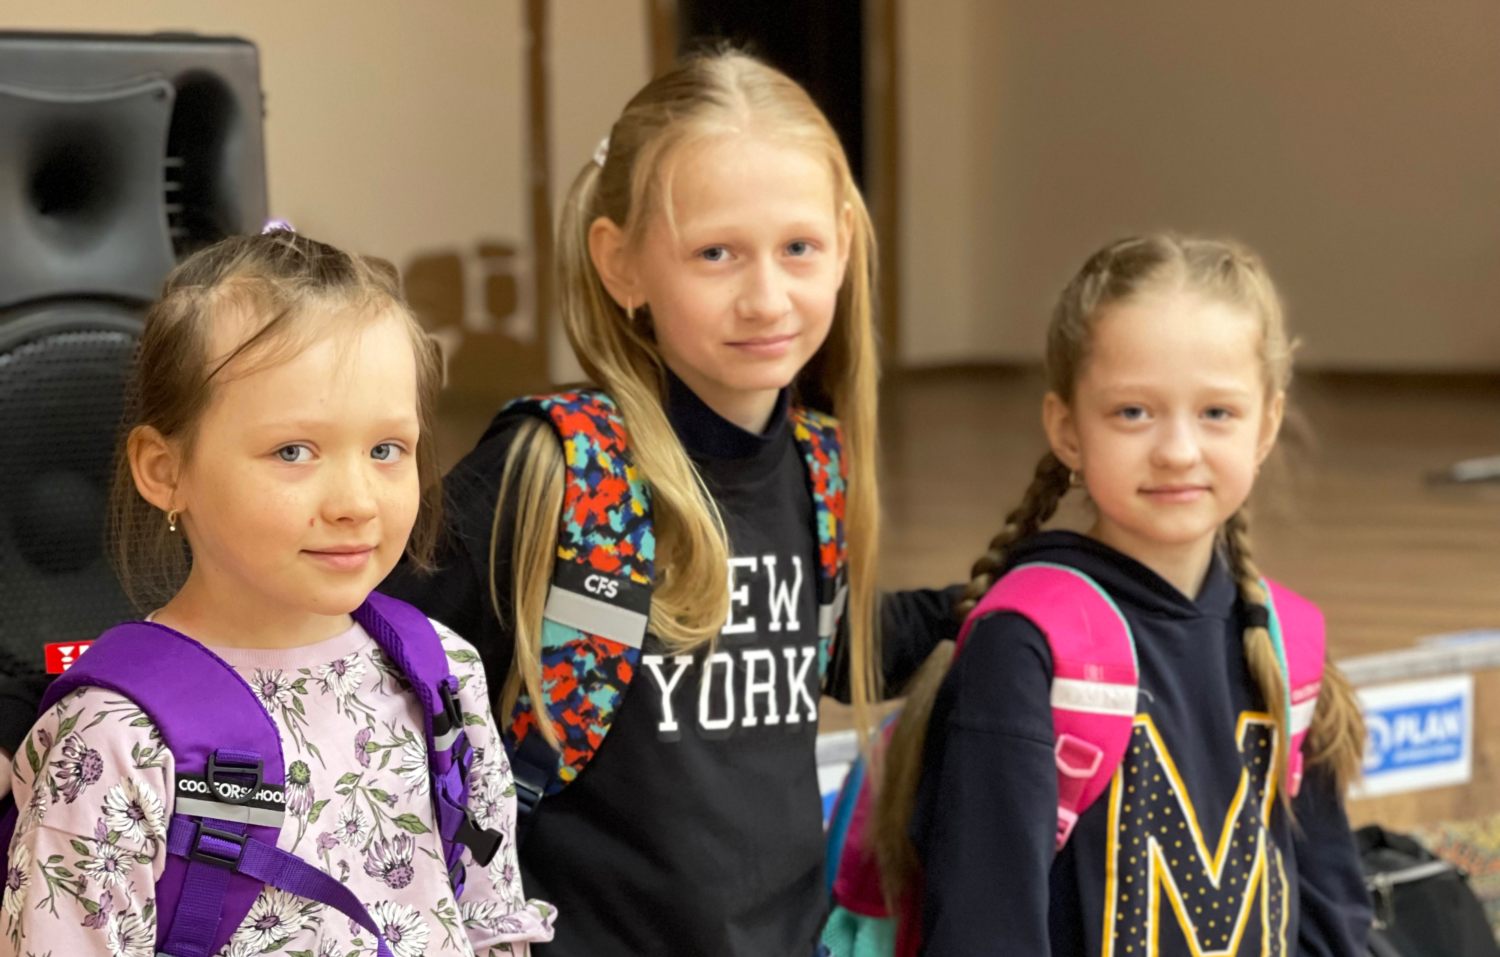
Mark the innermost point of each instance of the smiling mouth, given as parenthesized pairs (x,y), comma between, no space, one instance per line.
(765,341)
(1175,492)
(342,558)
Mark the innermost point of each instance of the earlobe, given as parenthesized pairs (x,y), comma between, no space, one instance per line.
(846,237)
(1062,431)
(1271,426)
(155,466)
(611,257)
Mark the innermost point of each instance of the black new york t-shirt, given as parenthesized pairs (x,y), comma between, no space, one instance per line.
(696,828)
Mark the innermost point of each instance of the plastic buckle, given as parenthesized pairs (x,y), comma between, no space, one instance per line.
(1066,820)
(481,843)
(457,876)
(527,798)
(228,794)
(451,717)
(196,851)
(1076,758)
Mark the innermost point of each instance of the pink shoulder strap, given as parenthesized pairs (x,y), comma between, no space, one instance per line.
(1095,682)
(1298,632)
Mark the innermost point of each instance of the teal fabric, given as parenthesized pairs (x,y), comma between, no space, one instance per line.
(848,934)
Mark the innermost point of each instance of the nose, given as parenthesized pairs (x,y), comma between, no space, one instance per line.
(1178,446)
(766,293)
(349,497)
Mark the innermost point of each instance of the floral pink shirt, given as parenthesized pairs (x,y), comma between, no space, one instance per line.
(95,786)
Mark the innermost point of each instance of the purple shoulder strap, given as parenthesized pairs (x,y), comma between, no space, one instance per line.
(406,635)
(220,738)
(230,777)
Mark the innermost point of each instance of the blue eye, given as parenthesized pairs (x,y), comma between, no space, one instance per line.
(714,254)
(1219,414)
(1131,413)
(387,452)
(800,247)
(294,454)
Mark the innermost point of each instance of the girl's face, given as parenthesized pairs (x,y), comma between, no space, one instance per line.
(302,486)
(742,280)
(1169,424)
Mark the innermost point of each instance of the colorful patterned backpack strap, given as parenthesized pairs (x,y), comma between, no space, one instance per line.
(1095,675)
(600,600)
(821,443)
(1298,633)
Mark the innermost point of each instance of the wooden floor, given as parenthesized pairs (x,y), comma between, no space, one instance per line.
(1344,515)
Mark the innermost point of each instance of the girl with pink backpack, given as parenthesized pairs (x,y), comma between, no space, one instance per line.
(1139,747)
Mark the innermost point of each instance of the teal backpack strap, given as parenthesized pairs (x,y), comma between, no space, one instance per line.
(821,443)
(1299,637)
(595,620)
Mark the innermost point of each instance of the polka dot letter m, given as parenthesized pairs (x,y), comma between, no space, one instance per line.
(1158,850)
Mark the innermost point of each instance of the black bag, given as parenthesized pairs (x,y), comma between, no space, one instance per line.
(1424,906)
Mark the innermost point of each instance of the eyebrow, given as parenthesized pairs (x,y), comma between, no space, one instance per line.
(391,423)
(1137,388)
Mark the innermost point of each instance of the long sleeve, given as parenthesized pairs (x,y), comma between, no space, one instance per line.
(912,623)
(1332,901)
(90,839)
(986,811)
(497,916)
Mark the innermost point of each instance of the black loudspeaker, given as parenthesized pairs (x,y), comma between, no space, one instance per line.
(119,155)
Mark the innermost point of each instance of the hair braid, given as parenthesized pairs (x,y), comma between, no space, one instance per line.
(1048,486)
(1260,653)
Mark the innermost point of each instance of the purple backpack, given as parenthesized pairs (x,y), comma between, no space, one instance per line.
(230,786)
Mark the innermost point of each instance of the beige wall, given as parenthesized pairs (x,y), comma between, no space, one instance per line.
(1356,145)
(399,128)
(389,129)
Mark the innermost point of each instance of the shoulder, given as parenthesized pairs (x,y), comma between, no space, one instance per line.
(463,660)
(1001,678)
(92,757)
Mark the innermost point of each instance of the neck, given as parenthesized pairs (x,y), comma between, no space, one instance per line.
(750,409)
(229,617)
(1183,565)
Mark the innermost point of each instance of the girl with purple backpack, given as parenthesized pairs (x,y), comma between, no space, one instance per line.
(277,759)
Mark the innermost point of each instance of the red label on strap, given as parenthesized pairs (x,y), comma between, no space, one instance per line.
(62,654)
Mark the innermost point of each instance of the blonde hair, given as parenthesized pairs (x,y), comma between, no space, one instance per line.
(702,96)
(1123,271)
(293,290)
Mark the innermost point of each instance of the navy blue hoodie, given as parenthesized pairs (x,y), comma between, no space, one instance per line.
(1187,843)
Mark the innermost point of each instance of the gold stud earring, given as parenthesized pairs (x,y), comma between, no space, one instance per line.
(630,309)
(172,517)
(1075,478)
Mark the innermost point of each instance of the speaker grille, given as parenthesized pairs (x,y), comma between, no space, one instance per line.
(62,381)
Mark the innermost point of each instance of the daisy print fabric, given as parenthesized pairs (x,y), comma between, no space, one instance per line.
(94,788)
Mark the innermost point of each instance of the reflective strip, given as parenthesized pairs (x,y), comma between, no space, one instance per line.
(1302,715)
(1094,697)
(445,740)
(595,617)
(829,615)
(244,813)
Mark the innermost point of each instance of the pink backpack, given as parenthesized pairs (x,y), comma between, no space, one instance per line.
(1095,684)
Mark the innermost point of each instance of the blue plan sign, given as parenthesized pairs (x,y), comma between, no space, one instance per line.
(1420,735)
